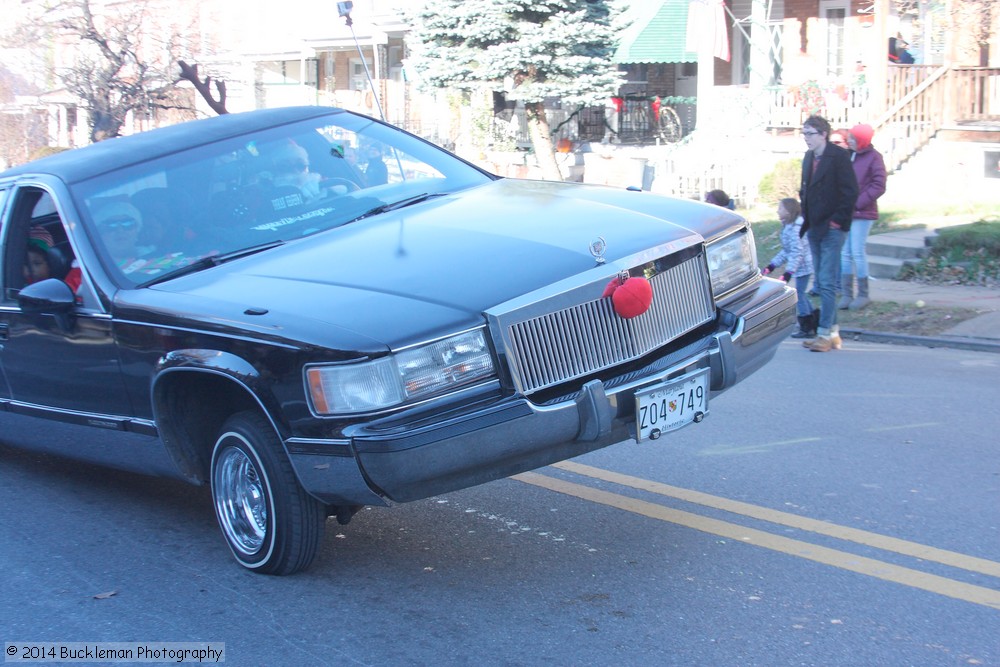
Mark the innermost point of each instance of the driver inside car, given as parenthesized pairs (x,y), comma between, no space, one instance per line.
(291,167)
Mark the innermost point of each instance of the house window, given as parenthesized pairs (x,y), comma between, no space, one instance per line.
(833,14)
(329,71)
(743,50)
(744,42)
(359,80)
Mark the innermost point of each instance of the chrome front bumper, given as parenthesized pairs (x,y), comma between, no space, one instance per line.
(516,434)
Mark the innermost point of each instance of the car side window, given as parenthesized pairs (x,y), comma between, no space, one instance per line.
(37,246)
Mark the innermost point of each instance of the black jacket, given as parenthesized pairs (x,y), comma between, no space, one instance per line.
(831,194)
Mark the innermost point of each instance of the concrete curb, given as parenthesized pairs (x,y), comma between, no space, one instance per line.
(953,342)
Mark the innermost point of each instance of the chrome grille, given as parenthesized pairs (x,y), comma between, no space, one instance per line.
(589,337)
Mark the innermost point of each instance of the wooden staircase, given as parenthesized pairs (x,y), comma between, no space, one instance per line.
(933,99)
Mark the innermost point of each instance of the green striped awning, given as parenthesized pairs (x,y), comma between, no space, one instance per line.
(656,35)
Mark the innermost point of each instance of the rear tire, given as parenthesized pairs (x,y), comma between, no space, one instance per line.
(270,523)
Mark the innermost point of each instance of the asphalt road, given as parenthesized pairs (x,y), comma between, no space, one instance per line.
(834,509)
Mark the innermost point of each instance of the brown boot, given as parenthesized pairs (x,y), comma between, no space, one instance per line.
(836,342)
(821,344)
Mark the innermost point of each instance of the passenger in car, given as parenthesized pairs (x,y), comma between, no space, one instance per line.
(36,261)
(376,173)
(119,224)
(43,261)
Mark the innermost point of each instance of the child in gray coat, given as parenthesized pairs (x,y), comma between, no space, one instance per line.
(797,260)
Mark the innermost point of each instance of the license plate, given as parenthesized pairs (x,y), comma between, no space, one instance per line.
(671,405)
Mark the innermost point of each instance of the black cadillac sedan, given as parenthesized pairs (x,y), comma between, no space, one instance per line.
(312,311)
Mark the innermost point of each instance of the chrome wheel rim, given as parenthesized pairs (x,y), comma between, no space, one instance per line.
(240,501)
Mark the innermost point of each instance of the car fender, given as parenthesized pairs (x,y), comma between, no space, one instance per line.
(229,382)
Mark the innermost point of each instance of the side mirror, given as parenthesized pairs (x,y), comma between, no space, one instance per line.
(49,297)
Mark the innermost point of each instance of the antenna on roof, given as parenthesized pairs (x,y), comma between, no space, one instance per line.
(344,9)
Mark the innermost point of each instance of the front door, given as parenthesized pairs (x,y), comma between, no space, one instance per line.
(58,366)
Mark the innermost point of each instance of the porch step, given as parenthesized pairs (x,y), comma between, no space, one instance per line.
(887,268)
(898,245)
(889,253)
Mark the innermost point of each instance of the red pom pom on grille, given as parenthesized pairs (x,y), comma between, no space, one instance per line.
(632,298)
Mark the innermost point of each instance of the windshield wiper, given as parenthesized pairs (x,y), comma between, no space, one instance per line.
(402,203)
(210,261)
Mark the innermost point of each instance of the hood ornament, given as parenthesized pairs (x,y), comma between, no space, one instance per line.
(597,249)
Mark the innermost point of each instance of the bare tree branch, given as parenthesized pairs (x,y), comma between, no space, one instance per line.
(204,87)
(121,60)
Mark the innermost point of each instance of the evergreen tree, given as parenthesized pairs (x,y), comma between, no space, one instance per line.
(531,49)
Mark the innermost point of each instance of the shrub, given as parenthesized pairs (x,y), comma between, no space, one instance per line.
(782,181)
(981,235)
(964,255)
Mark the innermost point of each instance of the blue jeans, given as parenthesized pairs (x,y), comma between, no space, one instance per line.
(854,259)
(826,265)
(804,305)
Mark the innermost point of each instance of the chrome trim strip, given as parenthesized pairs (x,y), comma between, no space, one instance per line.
(93,419)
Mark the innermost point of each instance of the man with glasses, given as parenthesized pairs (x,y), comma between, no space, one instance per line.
(828,193)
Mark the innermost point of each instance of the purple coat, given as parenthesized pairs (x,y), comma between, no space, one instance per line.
(869,169)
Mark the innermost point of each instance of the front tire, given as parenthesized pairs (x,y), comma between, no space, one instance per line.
(270,523)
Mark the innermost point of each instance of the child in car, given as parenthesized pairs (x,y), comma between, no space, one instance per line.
(42,261)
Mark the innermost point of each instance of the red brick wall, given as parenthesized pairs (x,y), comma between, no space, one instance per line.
(661,79)
(801,11)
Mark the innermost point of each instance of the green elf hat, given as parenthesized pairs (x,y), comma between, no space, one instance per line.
(40,239)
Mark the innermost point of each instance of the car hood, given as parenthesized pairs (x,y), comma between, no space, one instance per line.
(435,267)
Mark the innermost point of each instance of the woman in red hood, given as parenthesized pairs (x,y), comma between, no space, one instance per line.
(869,169)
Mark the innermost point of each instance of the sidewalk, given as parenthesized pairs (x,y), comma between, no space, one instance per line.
(979,333)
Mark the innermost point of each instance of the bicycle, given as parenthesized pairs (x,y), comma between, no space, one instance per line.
(641,117)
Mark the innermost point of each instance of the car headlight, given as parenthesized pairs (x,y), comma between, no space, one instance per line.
(408,375)
(732,260)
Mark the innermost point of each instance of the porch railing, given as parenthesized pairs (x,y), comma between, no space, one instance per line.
(911,121)
(921,99)
(844,105)
(975,94)
(948,96)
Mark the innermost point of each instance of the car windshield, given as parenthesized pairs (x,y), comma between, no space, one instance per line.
(155,219)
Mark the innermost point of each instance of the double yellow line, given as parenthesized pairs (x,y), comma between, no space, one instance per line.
(869,566)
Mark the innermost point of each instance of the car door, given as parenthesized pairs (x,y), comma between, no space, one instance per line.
(4,387)
(59,365)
